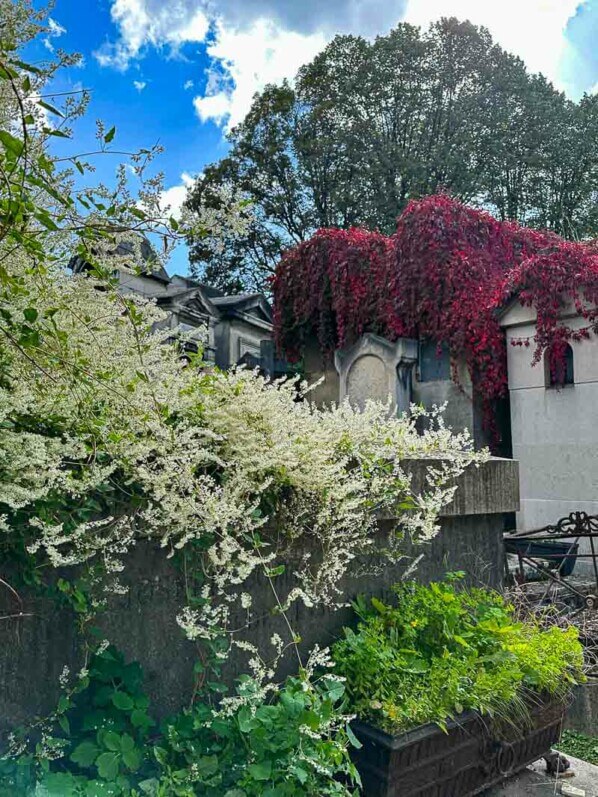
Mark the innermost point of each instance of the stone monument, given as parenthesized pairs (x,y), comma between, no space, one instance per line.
(375,368)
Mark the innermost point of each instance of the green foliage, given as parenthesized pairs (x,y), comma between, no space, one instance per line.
(102,742)
(440,651)
(288,747)
(96,742)
(579,745)
(369,125)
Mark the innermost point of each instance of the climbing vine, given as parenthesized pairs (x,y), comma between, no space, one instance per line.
(444,275)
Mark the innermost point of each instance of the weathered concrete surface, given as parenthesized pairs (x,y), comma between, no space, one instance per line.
(143,625)
(554,431)
(490,488)
(316,366)
(582,714)
(534,782)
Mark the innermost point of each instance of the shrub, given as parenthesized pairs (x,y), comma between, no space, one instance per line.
(440,651)
(263,741)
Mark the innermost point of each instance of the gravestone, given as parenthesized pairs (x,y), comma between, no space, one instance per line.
(376,368)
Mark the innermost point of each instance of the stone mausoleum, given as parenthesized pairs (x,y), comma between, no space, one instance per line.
(551,430)
(554,428)
(230,329)
(407,370)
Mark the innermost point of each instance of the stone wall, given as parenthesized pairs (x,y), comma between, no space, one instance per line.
(582,715)
(142,623)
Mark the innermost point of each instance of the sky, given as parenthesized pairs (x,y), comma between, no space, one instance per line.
(181,72)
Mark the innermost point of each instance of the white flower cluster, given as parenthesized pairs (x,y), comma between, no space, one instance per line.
(102,407)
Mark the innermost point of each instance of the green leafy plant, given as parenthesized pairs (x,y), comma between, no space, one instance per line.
(102,742)
(580,745)
(441,650)
(293,745)
(95,743)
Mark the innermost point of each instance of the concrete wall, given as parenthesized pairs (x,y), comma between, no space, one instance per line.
(582,715)
(554,430)
(245,338)
(142,623)
(138,283)
(462,410)
(234,338)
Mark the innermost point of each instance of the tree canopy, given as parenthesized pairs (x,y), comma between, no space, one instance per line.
(369,125)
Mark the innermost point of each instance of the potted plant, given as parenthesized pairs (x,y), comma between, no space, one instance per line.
(452,693)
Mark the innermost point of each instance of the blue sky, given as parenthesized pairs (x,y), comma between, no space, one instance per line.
(178,72)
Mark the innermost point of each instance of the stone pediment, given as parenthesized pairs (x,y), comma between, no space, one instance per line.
(192,300)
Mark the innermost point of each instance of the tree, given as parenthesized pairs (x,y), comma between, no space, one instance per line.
(368,126)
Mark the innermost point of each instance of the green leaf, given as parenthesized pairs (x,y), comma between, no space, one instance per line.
(275,571)
(111,740)
(109,135)
(207,765)
(51,108)
(123,701)
(126,742)
(10,143)
(353,739)
(53,132)
(107,765)
(56,784)
(141,719)
(246,720)
(150,786)
(133,758)
(261,770)
(63,703)
(160,755)
(6,73)
(27,67)
(85,754)
(30,314)
(300,773)
(97,788)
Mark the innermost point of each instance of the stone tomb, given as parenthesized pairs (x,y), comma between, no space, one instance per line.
(375,368)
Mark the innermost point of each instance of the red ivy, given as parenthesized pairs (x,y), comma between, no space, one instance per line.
(444,276)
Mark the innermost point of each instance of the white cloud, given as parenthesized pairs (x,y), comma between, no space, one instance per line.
(253,42)
(594,89)
(145,22)
(247,60)
(188,84)
(54,31)
(174,197)
(139,84)
(215,107)
(532,29)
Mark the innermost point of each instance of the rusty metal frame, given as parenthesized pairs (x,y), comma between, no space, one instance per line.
(575,527)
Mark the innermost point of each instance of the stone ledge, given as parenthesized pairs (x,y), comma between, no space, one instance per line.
(487,489)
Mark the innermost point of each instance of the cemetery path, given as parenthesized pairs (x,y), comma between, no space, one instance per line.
(534,782)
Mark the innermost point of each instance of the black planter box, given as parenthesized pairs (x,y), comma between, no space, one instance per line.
(471,757)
